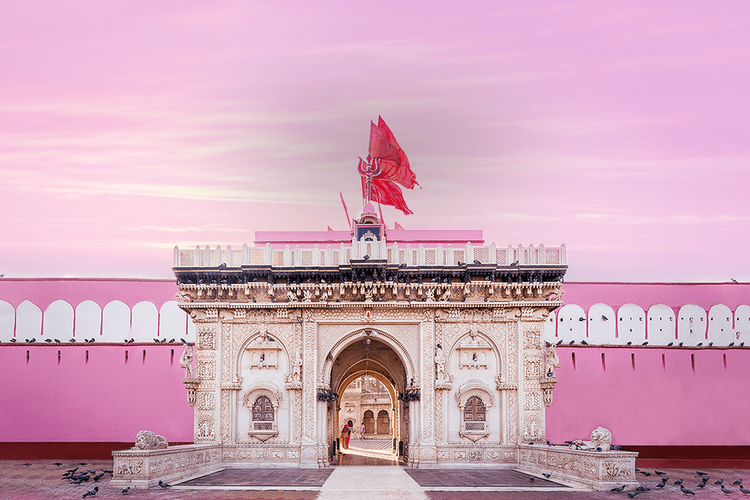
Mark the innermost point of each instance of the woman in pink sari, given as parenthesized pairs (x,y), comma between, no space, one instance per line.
(346,433)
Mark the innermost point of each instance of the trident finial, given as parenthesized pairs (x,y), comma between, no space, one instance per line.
(368,169)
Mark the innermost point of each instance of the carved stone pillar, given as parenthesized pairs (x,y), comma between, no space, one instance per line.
(309,457)
(428,451)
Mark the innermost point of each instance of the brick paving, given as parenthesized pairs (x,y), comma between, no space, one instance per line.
(263,478)
(477,478)
(42,480)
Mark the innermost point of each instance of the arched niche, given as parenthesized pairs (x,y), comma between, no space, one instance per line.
(28,321)
(116,322)
(474,393)
(691,325)
(720,328)
(254,380)
(263,400)
(602,324)
(88,321)
(174,324)
(374,334)
(631,324)
(742,324)
(145,324)
(473,355)
(662,328)
(58,321)
(7,321)
(571,323)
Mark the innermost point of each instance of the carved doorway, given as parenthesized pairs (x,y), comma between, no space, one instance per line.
(368,376)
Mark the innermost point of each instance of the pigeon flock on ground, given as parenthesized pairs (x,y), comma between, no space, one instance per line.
(702,478)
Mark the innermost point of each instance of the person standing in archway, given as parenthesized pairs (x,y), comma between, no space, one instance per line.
(345,435)
(362,431)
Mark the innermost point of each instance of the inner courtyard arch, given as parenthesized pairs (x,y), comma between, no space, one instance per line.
(369,359)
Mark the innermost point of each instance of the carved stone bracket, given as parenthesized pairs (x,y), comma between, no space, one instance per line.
(445,384)
(548,385)
(191,384)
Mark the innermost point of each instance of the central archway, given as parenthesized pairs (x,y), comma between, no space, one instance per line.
(371,355)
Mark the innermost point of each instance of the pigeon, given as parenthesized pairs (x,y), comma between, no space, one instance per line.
(699,344)
(531,478)
(744,490)
(171,341)
(660,485)
(48,340)
(584,342)
(559,342)
(604,318)
(710,344)
(670,344)
(725,490)
(680,344)
(13,341)
(704,479)
(98,476)
(701,485)
(645,473)
(581,319)
(550,443)
(26,464)
(108,471)
(633,494)
(57,464)
(81,463)
(617,447)
(645,343)
(618,489)
(156,340)
(630,342)
(572,342)
(183,340)
(686,491)
(720,481)
(164,485)
(546,475)
(91,493)
(737,482)
(514,263)
(125,490)
(701,473)
(31,341)
(731,344)
(642,488)
(679,481)
(659,473)
(57,341)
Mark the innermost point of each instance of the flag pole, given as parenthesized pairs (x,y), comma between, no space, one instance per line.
(348,220)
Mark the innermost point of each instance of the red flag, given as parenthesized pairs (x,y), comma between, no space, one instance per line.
(398,226)
(329,228)
(393,161)
(387,193)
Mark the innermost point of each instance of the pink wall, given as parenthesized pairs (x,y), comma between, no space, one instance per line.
(675,295)
(44,291)
(655,403)
(104,399)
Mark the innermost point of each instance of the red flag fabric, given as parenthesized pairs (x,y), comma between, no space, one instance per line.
(387,193)
(393,161)
(398,226)
(329,228)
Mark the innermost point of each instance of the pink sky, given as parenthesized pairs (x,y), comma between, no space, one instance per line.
(618,128)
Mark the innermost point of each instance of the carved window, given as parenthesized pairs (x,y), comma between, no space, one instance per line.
(474,414)
(263,414)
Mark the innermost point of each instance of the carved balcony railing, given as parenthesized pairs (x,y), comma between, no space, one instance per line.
(334,256)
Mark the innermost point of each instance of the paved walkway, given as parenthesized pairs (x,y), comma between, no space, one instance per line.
(42,479)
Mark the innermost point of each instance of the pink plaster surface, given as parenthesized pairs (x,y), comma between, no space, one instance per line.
(307,239)
(653,404)
(104,399)
(675,295)
(44,291)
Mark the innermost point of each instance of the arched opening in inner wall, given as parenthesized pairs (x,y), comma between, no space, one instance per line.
(368,376)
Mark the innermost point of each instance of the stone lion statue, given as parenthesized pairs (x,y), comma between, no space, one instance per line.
(149,440)
(601,440)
